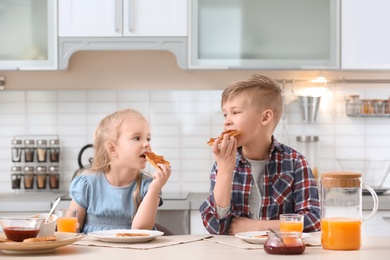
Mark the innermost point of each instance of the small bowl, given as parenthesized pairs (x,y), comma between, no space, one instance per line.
(49,228)
(19,229)
(284,243)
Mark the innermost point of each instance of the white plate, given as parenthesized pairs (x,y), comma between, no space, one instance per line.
(110,235)
(63,239)
(251,237)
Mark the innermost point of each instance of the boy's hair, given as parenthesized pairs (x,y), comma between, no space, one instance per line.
(109,130)
(262,93)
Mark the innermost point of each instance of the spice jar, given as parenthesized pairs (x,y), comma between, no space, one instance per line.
(353,105)
(54,177)
(41,150)
(367,107)
(16,177)
(16,150)
(284,243)
(54,150)
(29,150)
(28,176)
(41,174)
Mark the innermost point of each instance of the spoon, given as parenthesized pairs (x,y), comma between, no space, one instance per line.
(276,234)
(52,209)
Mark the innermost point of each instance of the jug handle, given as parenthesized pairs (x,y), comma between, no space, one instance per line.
(375,198)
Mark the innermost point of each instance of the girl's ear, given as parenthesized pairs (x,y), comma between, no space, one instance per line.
(110,148)
(266,116)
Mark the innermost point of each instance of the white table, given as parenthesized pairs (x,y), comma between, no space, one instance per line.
(375,248)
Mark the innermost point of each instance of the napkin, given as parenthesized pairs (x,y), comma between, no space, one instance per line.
(314,239)
(233,242)
(157,242)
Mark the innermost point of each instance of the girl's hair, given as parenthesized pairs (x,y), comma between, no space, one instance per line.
(109,129)
(261,92)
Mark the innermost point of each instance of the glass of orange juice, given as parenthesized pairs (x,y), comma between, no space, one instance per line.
(291,223)
(66,220)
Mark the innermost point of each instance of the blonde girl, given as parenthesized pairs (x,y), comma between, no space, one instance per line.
(116,193)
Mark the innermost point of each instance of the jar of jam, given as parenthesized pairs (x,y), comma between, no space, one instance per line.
(284,243)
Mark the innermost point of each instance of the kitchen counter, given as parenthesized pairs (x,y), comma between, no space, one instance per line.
(384,202)
(10,202)
(373,248)
(27,202)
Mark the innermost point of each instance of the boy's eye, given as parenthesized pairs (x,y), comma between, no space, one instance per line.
(137,138)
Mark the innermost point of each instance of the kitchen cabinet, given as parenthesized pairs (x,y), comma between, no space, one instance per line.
(264,34)
(196,226)
(117,18)
(117,25)
(377,225)
(28,35)
(364,41)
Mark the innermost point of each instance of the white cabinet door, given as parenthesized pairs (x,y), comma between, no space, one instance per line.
(155,18)
(264,34)
(92,18)
(117,18)
(28,39)
(197,227)
(365,39)
(377,225)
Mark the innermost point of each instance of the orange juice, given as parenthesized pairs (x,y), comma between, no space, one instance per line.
(67,224)
(291,226)
(340,233)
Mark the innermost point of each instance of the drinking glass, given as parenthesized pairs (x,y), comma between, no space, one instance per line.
(291,223)
(66,220)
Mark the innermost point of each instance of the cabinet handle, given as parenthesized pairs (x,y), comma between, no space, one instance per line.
(130,18)
(118,16)
(386,217)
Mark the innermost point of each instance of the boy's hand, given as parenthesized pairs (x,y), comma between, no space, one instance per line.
(225,153)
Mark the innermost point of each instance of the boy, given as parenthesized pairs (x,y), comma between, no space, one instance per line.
(255,178)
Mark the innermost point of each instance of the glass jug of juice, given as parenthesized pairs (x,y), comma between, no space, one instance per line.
(341,210)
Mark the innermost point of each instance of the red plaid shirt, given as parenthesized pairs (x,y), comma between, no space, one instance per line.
(289,187)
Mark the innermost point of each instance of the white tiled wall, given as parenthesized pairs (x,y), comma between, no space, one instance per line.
(181,122)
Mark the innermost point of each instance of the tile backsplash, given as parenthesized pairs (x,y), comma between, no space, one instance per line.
(181,122)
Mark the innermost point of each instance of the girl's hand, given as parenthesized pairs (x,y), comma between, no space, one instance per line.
(161,176)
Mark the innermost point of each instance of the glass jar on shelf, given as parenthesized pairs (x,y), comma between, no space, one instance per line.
(16,150)
(16,177)
(354,105)
(29,150)
(54,150)
(28,176)
(54,177)
(378,106)
(367,107)
(41,150)
(41,176)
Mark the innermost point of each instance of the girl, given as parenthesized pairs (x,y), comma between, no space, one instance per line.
(116,193)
